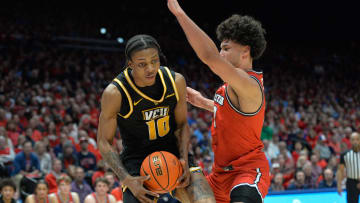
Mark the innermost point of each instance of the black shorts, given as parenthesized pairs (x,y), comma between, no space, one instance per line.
(246,194)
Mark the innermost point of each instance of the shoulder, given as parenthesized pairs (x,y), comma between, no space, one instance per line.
(89,198)
(180,79)
(52,198)
(29,199)
(75,196)
(112,198)
(179,76)
(111,91)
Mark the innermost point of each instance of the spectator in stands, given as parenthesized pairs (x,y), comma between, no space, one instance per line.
(40,194)
(329,180)
(7,191)
(273,149)
(68,156)
(101,169)
(53,175)
(346,138)
(7,156)
(79,185)
(64,194)
(26,162)
(110,177)
(118,194)
(323,148)
(44,157)
(299,181)
(87,160)
(59,148)
(316,169)
(277,183)
(310,176)
(333,164)
(101,192)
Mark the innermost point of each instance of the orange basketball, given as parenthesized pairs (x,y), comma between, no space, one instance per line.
(164,170)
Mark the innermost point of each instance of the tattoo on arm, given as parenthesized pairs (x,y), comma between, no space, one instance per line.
(112,158)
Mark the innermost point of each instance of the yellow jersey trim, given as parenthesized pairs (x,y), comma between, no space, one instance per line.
(128,97)
(144,95)
(173,83)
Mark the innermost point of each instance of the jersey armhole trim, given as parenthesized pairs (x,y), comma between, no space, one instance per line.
(172,82)
(128,97)
(241,112)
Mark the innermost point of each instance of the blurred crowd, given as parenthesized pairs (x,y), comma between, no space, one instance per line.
(49,109)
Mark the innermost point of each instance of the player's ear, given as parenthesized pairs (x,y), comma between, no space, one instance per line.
(130,64)
(246,51)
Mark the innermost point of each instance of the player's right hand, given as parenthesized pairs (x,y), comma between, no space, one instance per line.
(194,97)
(339,189)
(135,185)
(174,7)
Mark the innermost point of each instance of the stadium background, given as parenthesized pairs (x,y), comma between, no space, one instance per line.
(54,64)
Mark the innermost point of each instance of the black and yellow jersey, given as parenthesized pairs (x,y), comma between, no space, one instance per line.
(146,119)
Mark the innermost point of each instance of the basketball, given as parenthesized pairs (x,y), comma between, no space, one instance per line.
(164,170)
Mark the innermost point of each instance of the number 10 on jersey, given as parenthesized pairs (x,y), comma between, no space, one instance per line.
(159,126)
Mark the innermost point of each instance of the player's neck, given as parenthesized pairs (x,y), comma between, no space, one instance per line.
(246,66)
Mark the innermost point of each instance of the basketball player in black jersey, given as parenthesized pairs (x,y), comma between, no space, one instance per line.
(148,104)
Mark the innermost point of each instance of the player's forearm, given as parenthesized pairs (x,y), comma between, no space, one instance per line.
(183,140)
(109,154)
(207,104)
(111,157)
(204,47)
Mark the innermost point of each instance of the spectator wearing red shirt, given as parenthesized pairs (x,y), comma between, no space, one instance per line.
(312,138)
(54,174)
(118,194)
(7,155)
(346,138)
(3,120)
(100,172)
(12,133)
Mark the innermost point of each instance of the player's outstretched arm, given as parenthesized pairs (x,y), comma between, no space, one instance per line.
(110,106)
(195,98)
(208,53)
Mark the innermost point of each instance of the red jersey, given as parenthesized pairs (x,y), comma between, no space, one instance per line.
(235,134)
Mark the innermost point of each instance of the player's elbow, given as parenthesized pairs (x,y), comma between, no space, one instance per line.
(208,57)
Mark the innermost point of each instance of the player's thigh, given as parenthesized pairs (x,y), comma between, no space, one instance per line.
(245,194)
(198,191)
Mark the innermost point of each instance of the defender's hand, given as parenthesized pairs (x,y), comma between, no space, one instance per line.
(184,180)
(174,7)
(135,185)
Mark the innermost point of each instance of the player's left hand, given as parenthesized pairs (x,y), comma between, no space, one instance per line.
(184,180)
(174,7)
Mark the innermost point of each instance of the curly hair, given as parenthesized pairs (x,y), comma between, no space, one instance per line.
(244,30)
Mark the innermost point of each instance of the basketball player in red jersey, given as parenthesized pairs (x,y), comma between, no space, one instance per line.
(240,170)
